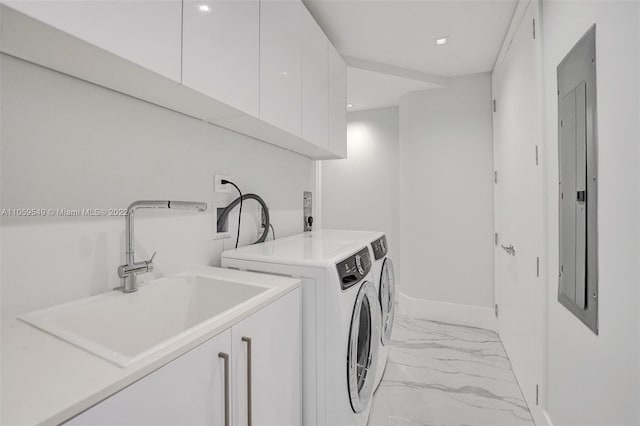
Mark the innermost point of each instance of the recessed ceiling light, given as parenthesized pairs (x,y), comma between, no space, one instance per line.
(441,41)
(349,105)
(204,8)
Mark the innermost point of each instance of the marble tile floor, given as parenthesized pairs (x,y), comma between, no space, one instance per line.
(445,375)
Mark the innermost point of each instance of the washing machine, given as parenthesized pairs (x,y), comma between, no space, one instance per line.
(383,276)
(341,321)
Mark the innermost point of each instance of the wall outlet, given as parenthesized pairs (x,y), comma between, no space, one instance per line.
(219,187)
(307,208)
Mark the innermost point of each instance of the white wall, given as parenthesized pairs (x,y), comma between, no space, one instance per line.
(361,192)
(69,144)
(595,379)
(446,193)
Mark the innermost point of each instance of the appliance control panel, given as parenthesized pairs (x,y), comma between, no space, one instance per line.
(354,268)
(379,247)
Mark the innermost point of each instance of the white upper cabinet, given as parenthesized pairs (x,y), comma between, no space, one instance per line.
(315,82)
(337,104)
(262,68)
(147,32)
(281,64)
(221,51)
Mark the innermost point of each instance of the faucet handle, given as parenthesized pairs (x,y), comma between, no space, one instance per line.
(149,263)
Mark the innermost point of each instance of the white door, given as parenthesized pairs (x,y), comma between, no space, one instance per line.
(221,51)
(519,210)
(188,391)
(267,370)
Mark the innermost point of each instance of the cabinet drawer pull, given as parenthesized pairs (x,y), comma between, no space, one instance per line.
(225,357)
(247,340)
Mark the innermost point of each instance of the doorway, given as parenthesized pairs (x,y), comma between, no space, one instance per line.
(520,285)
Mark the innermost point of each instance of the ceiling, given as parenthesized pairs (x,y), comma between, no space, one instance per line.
(388,88)
(402,33)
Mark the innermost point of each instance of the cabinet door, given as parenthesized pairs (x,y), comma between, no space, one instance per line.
(275,365)
(315,82)
(187,391)
(337,103)
(221,51)
(281,64)
(147,33)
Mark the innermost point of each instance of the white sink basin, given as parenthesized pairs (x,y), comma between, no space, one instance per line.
(124,328)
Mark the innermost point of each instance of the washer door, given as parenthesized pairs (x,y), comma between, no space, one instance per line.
(362,353)
(387,299)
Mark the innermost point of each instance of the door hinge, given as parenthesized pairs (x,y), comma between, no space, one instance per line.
(494,105)
(495,307)
(534,29)
(495,238)
(537,266)
(537,155)
(495,176)
(537,394)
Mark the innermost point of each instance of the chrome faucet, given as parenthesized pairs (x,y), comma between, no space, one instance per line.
(129,271)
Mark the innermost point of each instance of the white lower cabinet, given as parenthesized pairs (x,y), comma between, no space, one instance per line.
(191,389)
(188,390)
(273,341)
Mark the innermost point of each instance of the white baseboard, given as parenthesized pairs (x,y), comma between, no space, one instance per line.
(539,414)
(453,313)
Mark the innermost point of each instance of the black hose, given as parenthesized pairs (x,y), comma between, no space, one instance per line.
(222,219)
(240,211)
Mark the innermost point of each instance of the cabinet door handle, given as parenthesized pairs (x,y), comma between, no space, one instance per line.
(247,340)
(225,357)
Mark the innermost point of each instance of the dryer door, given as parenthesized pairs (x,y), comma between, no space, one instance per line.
(387,299)
(362,353)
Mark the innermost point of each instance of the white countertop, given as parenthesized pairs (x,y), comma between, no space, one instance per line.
(45,380)
(302,250)
(343,235)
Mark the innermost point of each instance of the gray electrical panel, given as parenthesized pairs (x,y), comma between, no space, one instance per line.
(577,146)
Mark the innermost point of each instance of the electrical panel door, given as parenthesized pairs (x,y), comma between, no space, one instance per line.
(577,142)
